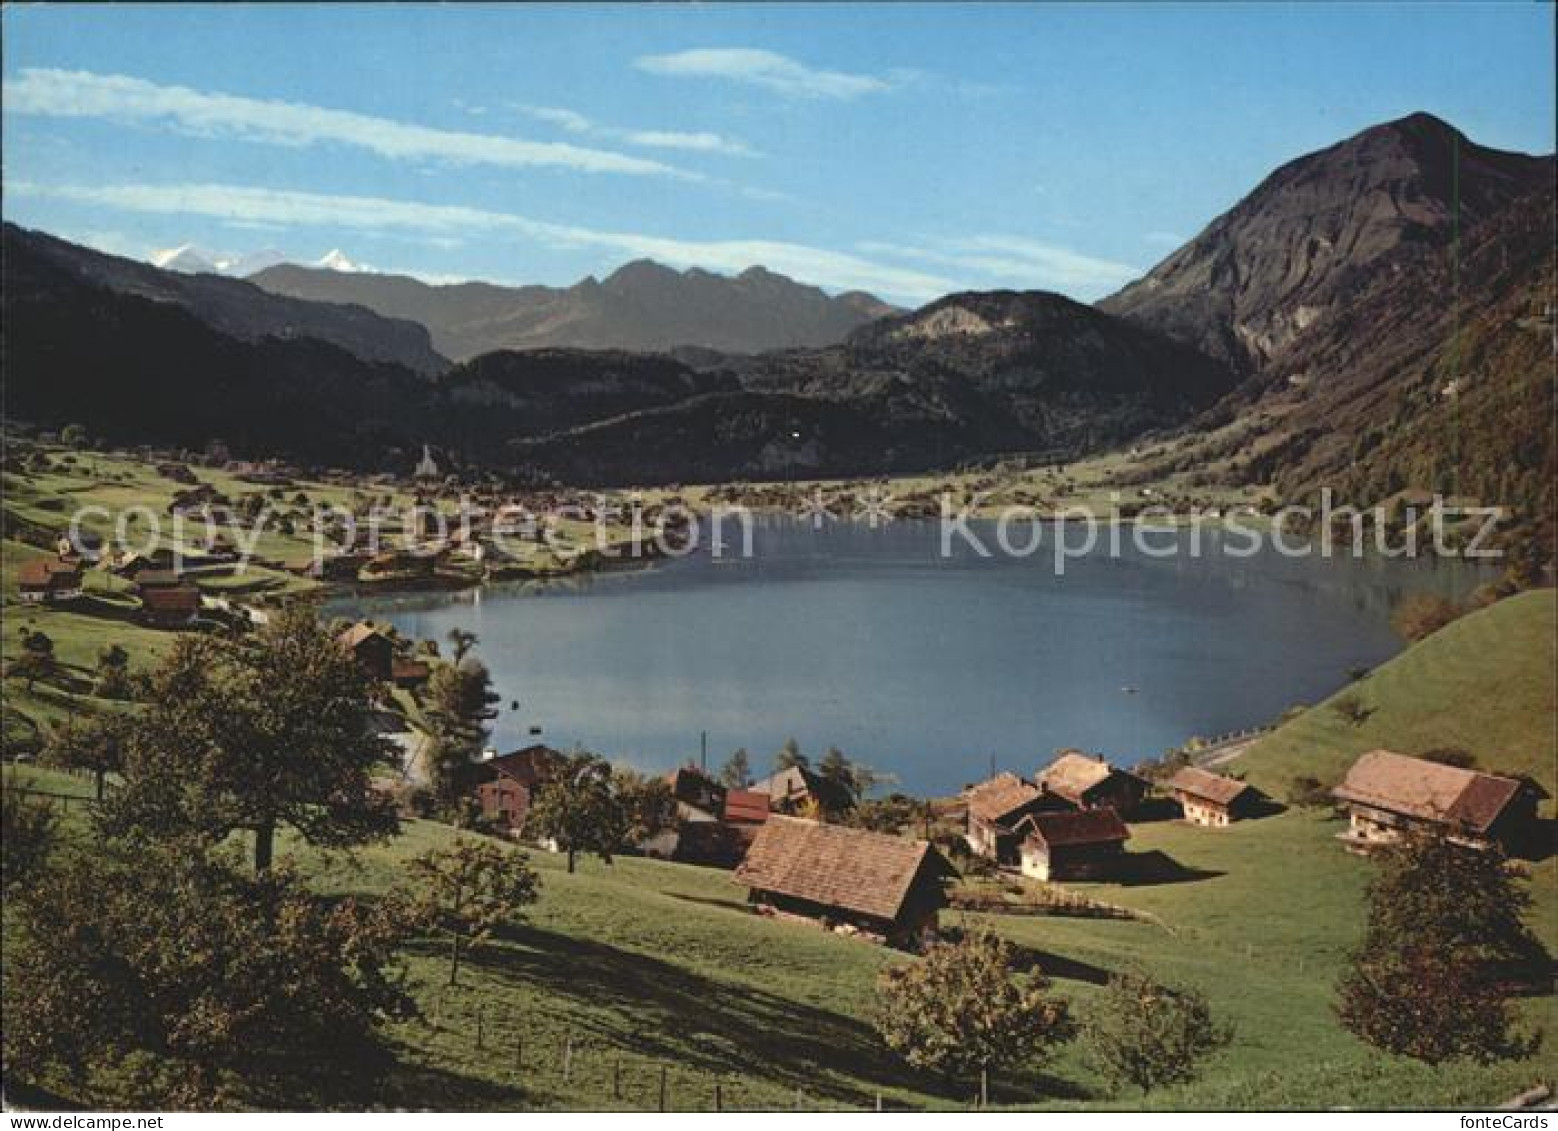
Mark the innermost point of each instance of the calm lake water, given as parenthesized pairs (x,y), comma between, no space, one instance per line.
(919,665)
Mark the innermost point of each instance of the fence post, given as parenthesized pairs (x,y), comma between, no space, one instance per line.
(797,1097)
(879,1101)
(984,1088)
(616,1078)
(662,1087)
(719,1096)
(519,1053)
(567,1059)
(481,1029)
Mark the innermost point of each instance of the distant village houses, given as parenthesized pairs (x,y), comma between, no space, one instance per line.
(504,787)
(882,887)
(1387,794)
(48,581)
(800,790)
(994,808)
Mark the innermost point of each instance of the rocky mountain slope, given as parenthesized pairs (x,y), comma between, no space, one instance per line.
(642,306)
(1280,260)
(230,306)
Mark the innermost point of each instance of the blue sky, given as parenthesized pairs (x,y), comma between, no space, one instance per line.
(906,150)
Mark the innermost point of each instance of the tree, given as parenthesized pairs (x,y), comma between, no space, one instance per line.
(648,806)
(94,744)
(28,834)
(736,773)
(1147,1035)
(790,755)
(74,436)
(961,1012)
(37,659)
(113,673)
(252,734)
(1446,945)
(1351,708)
(232,989)
(893,814)
(461,641)
(469,889)
(578,808)
(460,705)
(1421,614)
(855,779)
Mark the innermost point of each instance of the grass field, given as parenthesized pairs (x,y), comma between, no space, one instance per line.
(1484,684)
(644,965)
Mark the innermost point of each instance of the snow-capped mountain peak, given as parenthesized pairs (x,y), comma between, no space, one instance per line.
(186,258)
(336,260)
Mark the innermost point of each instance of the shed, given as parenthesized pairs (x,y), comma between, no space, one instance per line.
(372,649)
(1083,844)
(1386,794)
(885,887)
(1076,780)
(1212,799)
(994,808)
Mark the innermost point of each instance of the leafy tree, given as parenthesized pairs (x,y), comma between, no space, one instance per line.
(255,733)
(1351,708)
(961,1012)
(578,808)
(74,436)
(893,814)
(28,834)
(37,659)
(113,673)
(94,744)
(469,889)
(1147,1035)
(736,773)
(790,755)
(1445,946)
(461,641)
(233,989)
(460,706)
(648,806)
(1421,614)
(1308,792)
(855,779)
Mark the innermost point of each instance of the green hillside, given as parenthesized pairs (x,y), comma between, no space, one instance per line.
(1484,684)
(647,966)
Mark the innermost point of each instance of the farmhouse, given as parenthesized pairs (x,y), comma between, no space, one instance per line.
(1212,799)
(994,808)
(409,674)
(1085,844)
(798,789)
(504,786)
(371,648)
(887,888)
(1083,781)
(175,606)
(48,581)
(1386,794)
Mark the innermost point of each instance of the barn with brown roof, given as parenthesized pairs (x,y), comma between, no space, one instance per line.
(1084,844)
(994,808)
(1076,780)
(1211,799)
(505,786)
(888,888)
(1386,793)
(174,607)
(48,580)
(371,648)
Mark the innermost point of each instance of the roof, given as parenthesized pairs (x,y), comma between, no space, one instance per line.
(799,781)
(178,599)
(157,578)
(357,633)
(865,872)
(1073,773)
(44,571)
(746,805)
(528,765)
(1217,788)
(999,797)
(1085,826)
(1428,791)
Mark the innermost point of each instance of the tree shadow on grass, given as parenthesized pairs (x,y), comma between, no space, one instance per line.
(665,1012)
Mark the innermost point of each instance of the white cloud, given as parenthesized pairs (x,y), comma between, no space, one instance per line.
(1016,259)
(123,98)
(235,204)
(699,141)
(767,69)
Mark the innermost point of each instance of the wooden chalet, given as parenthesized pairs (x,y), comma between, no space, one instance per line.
(1079,844)
(887,888)
(1087,781)
(1212,799)
(48,581)
(371,648)
(175,606)
(797,789)
(1386,794)
(994,808)
(505,785)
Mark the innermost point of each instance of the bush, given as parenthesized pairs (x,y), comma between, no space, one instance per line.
(1305,792)
(1147,1035)
(1421,614)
